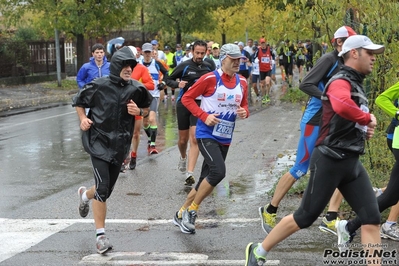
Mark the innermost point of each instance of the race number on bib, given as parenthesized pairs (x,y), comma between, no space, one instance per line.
(265,60)
(224,129)
(366,110)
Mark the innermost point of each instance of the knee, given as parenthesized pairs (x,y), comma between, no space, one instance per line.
(304,219)
(136,135)
(183,140)
(371,218)
(101,193)
(215,177)
(151,120)
(193,141)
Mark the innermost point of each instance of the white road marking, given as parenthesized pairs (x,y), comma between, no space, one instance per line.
(157,258)
(22,234)
(36,120)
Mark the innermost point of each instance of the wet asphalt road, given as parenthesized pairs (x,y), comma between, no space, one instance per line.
(43,164)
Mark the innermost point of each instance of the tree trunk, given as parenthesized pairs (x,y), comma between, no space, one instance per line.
(80,50)
(178,38)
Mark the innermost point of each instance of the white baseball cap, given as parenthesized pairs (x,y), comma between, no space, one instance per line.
(343,32)
(361,41)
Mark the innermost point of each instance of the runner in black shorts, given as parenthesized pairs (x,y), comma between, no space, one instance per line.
(185,119)
(188,72)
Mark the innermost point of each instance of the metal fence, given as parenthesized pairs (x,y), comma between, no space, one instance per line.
(29,58)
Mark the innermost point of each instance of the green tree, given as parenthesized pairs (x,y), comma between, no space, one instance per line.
(180,17)
(78,18)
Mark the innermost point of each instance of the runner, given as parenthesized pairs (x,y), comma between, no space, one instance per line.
(108,122)
(345,126)
(313,85)
(188,72)
(224,97)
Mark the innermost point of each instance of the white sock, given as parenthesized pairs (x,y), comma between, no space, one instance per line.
(100,231)
(84,197)
(189,174)
(260,251)
(388,224)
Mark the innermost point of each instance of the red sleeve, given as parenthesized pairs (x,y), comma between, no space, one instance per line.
(339,94)
(205,86)
(244,101)
(142,74)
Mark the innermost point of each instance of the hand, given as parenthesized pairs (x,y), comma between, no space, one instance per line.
(373,122)
(132,108)
(161,86)
(211,120)
(241,112)
(85,124)
(182,84)
(369,133)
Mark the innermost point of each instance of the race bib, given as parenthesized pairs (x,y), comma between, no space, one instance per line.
(224,129)
(265,60)
(366,110)
(395,141)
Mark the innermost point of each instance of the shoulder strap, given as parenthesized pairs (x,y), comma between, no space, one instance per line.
(332,69)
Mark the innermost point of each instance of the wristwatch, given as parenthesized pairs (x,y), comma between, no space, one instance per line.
(397,115)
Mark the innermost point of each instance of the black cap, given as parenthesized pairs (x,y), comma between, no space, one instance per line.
(166,47)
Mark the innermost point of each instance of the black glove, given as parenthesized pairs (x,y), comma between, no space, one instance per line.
(161,86)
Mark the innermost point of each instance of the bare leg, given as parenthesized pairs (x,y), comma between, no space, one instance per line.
(190,198)
(268,85)
(136,135)
(193,153)
(335,201)
(394,213)
(286,227)
(99,209)
(283,185)
(99,213)
(371,240)
(203,191)
(182,142)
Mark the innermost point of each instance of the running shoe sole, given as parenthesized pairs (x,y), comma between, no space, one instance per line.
(247,253)
(261,220)
(83,208)
(180,226)
(189,181)
(327,230)
(102,252)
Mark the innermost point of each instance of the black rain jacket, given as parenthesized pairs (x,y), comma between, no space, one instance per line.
(110,135)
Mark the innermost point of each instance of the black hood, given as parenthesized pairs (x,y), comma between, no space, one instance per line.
(119,60)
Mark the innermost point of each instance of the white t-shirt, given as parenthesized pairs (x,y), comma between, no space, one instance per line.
(161,55)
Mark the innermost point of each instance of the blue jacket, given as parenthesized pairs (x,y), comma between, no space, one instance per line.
(89,71)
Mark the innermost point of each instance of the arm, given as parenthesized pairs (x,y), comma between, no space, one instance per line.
(243,111)
(162,69)
(309,84)
(385,100)
(170,80)
(85,123)
(204,86)
(248,56)
(339,94)
(142,74)
(174,63)
(81,77)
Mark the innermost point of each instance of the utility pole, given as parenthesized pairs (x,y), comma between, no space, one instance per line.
(57,50)
(58,57)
